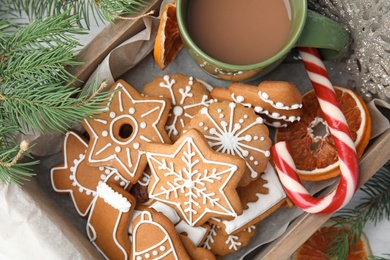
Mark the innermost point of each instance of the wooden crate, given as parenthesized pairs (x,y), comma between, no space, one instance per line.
(301,228)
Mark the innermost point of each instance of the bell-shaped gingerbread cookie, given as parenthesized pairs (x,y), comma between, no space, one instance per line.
(155,237)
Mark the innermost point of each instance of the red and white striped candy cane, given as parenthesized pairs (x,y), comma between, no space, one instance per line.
(349,166)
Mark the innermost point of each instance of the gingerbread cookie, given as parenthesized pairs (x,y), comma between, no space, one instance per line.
(196,181)
(77,178)
(140,189)
(259,199)
(187,94)
(234,129)
(154,237)
(119,133)
(195,234)
(196,253)
(278,102)
(109,220)
(222,244)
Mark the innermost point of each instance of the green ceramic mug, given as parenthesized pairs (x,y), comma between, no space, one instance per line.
(308,29)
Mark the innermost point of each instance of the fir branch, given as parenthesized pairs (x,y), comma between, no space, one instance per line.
(16,173)
(35,86)
(47,107)
(374,207)
(39,34)
(33,92)
(11,170)
(101,10)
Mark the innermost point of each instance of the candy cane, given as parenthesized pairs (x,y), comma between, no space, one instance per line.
(349,166)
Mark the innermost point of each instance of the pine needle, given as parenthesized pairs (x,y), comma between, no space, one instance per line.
(375,207)
(36,92)
(11,170)
(101,10)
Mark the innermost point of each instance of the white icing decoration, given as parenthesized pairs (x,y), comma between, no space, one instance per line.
(179,105)
(144,180)
(229,137)
(275,116)
(168,211)
(278,105)
(197,169)
(233,242)
(113,198)
(265,201)
(107,173)
(195,234)
(130,154)
(146,218)
(105,192)
(210,237)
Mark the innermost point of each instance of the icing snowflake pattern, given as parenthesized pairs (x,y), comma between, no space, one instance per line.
(128,122)
(182,104)
(235,136)
(187,184)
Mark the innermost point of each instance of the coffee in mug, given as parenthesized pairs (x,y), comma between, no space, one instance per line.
(239,40)
(239,32)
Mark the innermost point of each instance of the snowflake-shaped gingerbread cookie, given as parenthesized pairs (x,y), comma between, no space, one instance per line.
(119,133)
(187,94)
(196,181)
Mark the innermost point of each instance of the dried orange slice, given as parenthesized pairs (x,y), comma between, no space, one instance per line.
(311,144)
(168,42)
(317,246)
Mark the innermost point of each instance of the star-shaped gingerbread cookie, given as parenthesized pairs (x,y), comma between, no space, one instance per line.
(196,181)
(119,133)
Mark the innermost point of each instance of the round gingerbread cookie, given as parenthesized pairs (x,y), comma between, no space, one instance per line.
(187,94)
(278,102)
(234,129)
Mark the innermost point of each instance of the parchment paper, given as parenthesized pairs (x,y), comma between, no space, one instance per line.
(37,223)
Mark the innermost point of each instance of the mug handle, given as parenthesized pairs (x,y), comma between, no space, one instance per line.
(323,33)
